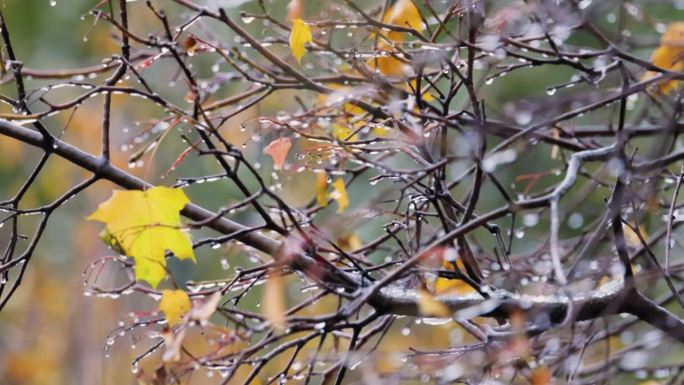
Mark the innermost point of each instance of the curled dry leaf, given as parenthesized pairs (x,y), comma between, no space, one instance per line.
(203,312)
(322,189)
(273,302)
(294,9)
(173,343)
(540,376)
(278,150)
(190,45)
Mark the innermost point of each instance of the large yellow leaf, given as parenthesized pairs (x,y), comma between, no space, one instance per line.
(174,304)
(299,36)
(146,224)
(669,55)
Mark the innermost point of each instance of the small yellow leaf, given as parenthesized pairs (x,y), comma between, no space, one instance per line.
(299,36)
(343,133)
(453,286)
(274,302)
(387,64)
(278,150)
(322,189)
(349,242)
(340,195)
(174,304)
(404,13)
(427,97)
(430,307)
(146,224)
(631,237)
(669,55)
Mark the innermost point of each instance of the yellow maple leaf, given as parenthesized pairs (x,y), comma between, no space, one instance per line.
(146,224)
(299,36)
(340,195)
(322,189)
(430,307)
(174,304)
(669,55)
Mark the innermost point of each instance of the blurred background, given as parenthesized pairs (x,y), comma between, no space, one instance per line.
(51,333)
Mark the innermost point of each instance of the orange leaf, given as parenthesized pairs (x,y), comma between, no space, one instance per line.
(669,55)
(294,9)
(540,376)
(190,45)
(430,307)
(278,150)
(322,189)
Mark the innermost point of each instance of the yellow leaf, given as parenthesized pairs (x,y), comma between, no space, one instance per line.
(146,224)
(322,189)
(631,237)
(174,304)
(343,133)
(404,13)
(669,55)
(453,286)
(349,242)
(387,64)
(427,97)
(430,307)
(340,195)
(299,36)
(274,302)
(278,150)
